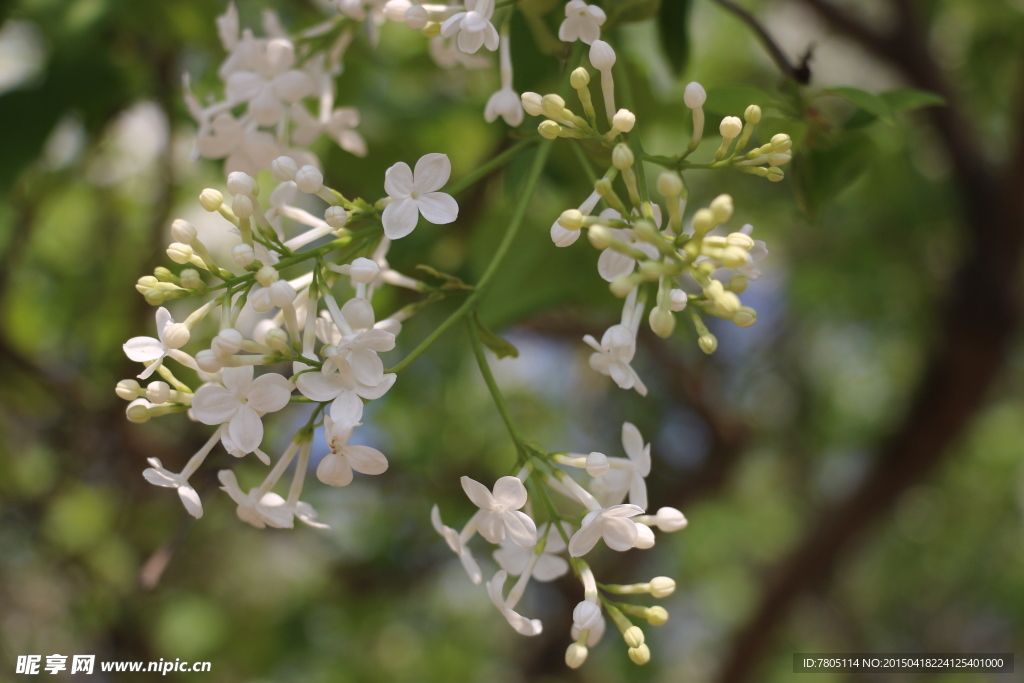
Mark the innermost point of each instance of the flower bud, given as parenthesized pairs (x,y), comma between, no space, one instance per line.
(633,636)
(646,231)
(552,106)
(745,316)
(644,537)
(158,392)
(728,303)
(190,279)
(662,586)
(243,254)
(779,158)
(579,78)
(656,615)
(703,221)
(241,183)
(586,614)
(624,120)
(600,236)
(733,256)
(277,339)
(128,389)
(621,286)
(284,168)
(179,253)
(707,343)
(597,465)
(679,300)
(208,361)
(640,655)
(242,206)
(602,56)
(282,294)
(775,174)
(182,231)
(669,519)
(227,342)
(336,216)
(575,655)
(663,323)
(721,208)
(670,184)
(364,270)
(416,18)
(694,95)
(622,156)
(571,219)
(752,114)
(781,140)
(309,179)
(267,275)
(176,335)
(737,283)
(730,127)
(138,411)
(549,129)
(532,103)
(211,199)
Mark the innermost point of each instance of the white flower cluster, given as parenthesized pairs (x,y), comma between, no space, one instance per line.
(333,348)
(699,267)
(505,518)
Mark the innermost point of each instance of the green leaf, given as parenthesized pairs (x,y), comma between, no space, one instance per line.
(502,348)
(674,31)
(869,102)
(908,99)
(822,174)
(450,281)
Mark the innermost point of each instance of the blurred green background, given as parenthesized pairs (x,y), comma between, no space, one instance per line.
(851,466)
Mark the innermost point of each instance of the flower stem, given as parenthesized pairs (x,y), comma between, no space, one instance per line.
(492,165)
(492,385)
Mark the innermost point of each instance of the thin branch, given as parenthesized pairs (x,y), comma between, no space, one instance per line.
(801,73)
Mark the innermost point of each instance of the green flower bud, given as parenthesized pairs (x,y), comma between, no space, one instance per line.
(708,343)
(579,79)
(571,219)
(657,615)
(633,636)
(622,156)
(549,129)
(640,655)
(745,317)
(752,114)
(670,184)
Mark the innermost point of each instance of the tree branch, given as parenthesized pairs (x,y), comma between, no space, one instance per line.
(800,73)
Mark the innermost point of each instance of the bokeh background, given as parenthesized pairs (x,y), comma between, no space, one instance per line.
(852,467)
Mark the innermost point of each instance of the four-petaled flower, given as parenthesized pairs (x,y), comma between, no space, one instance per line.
(626,475)
(270,508)
(241,402)
(271,85)
(582,22)
(612,264)
(457,543)
(499,511)
(613,356)
(473,26)
(337,466)
(515,558)
(171,338)
(612,524)
(416,192)
(158,475)
(339,125)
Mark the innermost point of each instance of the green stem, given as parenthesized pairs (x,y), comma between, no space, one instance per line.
(492,385)
(492,165)
(581,156)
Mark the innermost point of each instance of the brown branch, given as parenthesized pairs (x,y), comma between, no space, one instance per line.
(977,320)
(801,73)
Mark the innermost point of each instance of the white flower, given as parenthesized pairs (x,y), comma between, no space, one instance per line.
(248,151)
(336,468)
(317,386)
(457,542)
(612,264)
(473,26)
(157,475)
(339,125)
(515,559)
(613,356)
(415,192)
(500,513)
(505,103)
(627,475)
(359,348)
(241,402)
(582,22)
(270,509)
(562,237)
(587,616)
(447,56)
(271,85)
(527,627)
(171,337)
(612,524)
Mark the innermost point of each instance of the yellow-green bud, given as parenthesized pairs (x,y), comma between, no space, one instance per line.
(663,323)
(646,231)
(775,174)
(741,239)
(780,140)
(158,392)
(737,283)
(656,615)
(552,106)
(721,208)
(579,79)
(532,103)
(190,279)
(571,219)
(277,339)
(640,655)
(734,257)
(708,343)
(211,199)
(575,655)
(164,274)
(670,184)
(622,156)
(267,275)
(745,317)
(633,636)
(663,586)
(138,411)
(179,253)
(728,303)
(713,290)
(621,286)
(600,236)
(752,114)
(549,129)
(703,221)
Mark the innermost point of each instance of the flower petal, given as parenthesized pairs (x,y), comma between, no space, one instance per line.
(400,218)
(372,393)
(432,172)
(478,493)
(160,477)
(316,386)
(510,492)
(520,527)
(141,349)
(584,540)
(620,534)
(638,491)
(237,380)
(513,558)
(214,405)
(491,526)
(190,499)
(347,410)
(246,429)
(471,567)
(611,264)
(438,208)
(366,460)
(358,313)
(269,393)
(550,567)
(398,181)
(334,470)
